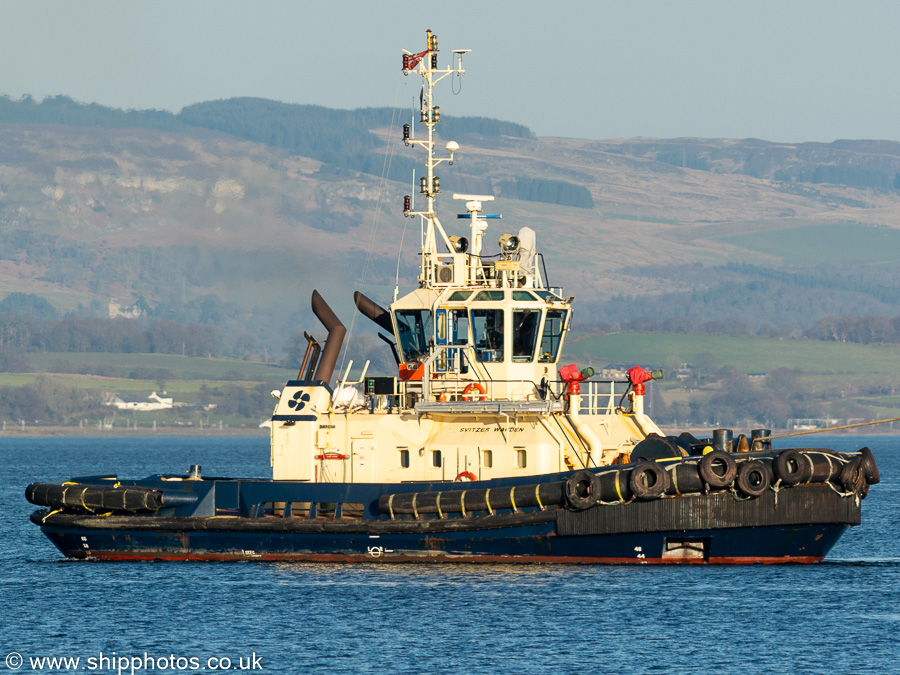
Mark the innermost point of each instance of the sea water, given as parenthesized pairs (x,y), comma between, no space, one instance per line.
(841,616)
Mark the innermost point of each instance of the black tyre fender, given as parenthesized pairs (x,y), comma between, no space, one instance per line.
(752,478)
(869,466)
(792,467)
(718,469)
(648,480)
(767,463)
(582,490)
(853,475)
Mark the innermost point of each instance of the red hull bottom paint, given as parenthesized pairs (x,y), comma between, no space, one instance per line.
(323,557)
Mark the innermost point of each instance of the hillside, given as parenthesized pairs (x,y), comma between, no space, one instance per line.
(184,218)
(746,382)
(738,382)
(74,390)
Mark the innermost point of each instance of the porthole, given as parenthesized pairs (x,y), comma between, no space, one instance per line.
(487,458)
(521,458)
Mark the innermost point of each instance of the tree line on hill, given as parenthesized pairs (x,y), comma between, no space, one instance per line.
(548,191)
(28,322)
(174,277)
(723,396)
(341,139)
(115,336)
(852,176)
(778,397)
(862,330)
(338,137)
(45,402)
(749,299)
(875,329)
(864,164)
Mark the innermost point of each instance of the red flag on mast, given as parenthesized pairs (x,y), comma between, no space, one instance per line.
(410,61)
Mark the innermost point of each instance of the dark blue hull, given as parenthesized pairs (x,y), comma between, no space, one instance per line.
(540,543)
(568,518)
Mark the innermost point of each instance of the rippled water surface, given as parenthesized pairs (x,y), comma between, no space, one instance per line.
(841,616)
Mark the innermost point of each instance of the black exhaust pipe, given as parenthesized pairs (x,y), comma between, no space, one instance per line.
(374,311)
(336,333)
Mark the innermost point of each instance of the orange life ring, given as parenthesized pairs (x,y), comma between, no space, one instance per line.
(466,476)
(472,387)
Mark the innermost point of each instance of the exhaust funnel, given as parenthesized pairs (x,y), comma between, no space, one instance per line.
(336,333)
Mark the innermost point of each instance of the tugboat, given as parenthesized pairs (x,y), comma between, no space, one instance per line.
(481,449)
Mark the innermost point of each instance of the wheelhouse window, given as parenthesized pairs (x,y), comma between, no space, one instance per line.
(551,339)
(523,295)
(460,326)
(459,296)
(524,334)
(489,295)
(416,331)
(547,296)
(487,331)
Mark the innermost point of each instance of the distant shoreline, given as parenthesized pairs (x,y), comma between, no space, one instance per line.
(38,432)
(874,430)
(75,432)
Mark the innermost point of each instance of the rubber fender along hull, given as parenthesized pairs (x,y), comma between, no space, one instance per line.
(799,524)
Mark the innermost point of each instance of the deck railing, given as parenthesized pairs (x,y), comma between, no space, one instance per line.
(452,375)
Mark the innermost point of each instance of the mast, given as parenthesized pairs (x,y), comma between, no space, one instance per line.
(425,63)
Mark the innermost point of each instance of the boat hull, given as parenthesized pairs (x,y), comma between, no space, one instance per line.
(796,525)
(799,544)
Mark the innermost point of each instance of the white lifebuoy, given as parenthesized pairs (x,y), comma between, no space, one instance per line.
(473,387)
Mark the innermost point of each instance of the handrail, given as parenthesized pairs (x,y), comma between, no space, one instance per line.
(345,383)
(599,398)
(463,354)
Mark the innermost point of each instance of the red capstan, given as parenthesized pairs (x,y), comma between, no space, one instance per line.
(573,377)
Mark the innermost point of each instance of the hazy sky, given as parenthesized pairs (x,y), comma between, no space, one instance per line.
(778,70)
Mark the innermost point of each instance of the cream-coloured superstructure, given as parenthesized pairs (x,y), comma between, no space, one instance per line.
(478,394)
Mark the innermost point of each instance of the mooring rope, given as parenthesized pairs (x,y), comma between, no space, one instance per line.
(823,430)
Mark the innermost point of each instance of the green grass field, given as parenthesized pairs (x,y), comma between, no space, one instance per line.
(824,243)
(836,374)
(748,355)
(180,367)
(182,378)
(183,391)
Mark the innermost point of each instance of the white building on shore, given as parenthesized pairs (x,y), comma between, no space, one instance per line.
(153,402)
